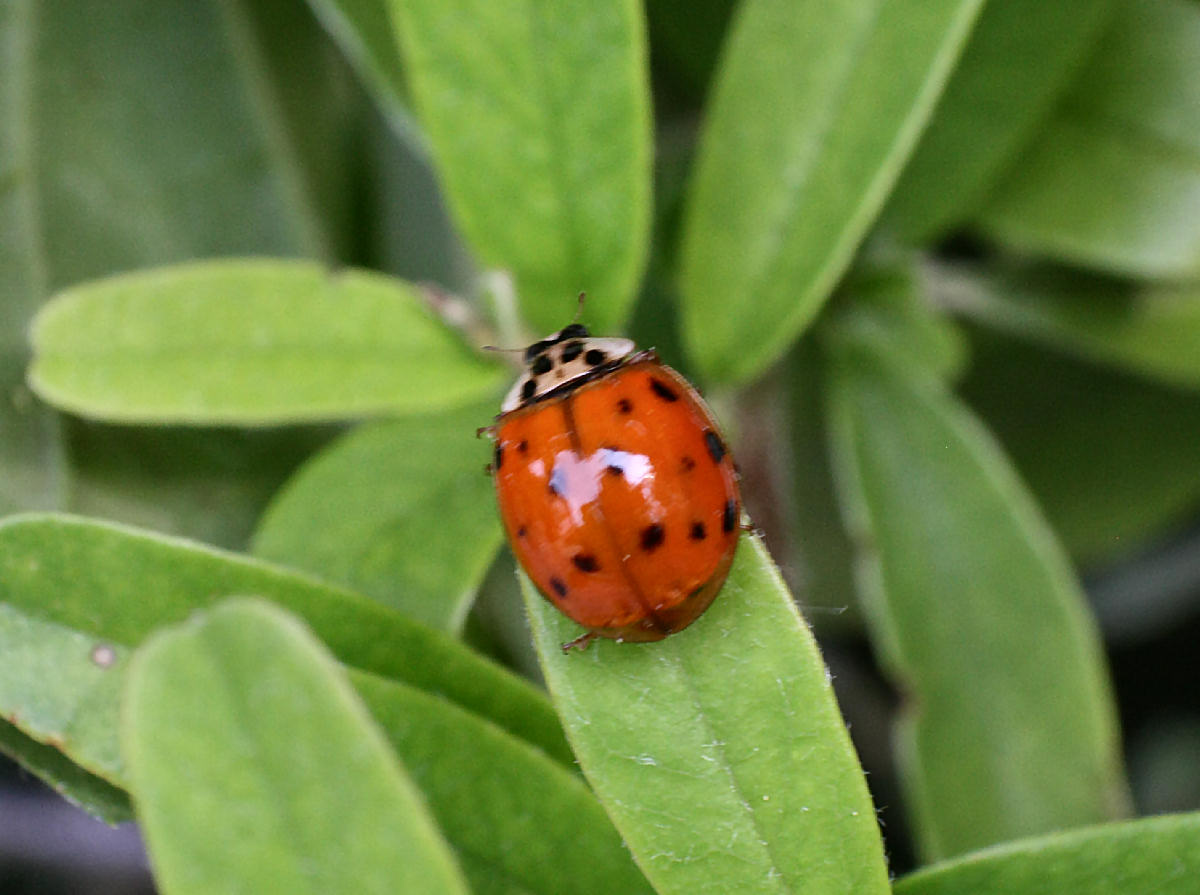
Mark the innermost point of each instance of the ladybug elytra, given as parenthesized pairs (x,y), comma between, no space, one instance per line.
(615,487)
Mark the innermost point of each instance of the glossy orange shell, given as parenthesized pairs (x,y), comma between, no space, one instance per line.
(620,500)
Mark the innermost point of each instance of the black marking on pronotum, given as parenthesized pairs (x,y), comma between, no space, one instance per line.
(571,351)
(574,331)
(625,406)
(559,586)
(541,365)
(687,463)
(652,536)
(716,447)
(698,532)
(663,390)
(528,389)
(499,457)
(594,358)
(585,562)
(729,518)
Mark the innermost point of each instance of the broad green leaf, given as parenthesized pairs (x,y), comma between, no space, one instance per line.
(719,752)
(1151,856)
(538,115)
(1149,329)
(250,342)
(1009,727)
(815,109)
(400,511)
(1114,459)
(145,133)
(520,822)
(270,776)
(1022,56)
(93,795)
(1113,181)
(70,585)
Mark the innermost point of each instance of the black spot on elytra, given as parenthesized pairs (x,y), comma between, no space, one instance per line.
(499,457)
(688,464)
(716,447)
(528,389)
(522,446)
(614,470)
(521,532)
(585,562)
(663,390)
(559,586)
(594,357)
(625,406)
(571,351)
(698,532)
(652,536)
(729,518)
(541,365)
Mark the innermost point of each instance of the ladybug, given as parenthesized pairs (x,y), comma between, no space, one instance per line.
(617,491)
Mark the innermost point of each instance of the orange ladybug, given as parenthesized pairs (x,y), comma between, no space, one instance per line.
(616,489)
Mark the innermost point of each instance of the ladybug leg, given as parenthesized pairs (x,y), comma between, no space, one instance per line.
(490,431)
(580,642)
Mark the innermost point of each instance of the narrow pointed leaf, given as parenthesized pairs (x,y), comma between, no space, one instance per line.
(1022,56)
(1149,329)
(399,511)
(250,342)
(87,791)
(1009,727)
(73,585)
(270,775)
(537,112)
(1113,181)
(719,752)
(1151,856)
(520,822)
(815,109)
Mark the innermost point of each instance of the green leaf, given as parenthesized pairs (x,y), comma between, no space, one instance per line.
(719,752)
(1113,181)
(93,795)
(1009,727)
(400,511)
(538,113)
(520,822)
(815,110)
(250,342)
(363,29)
(1022,56)
(1151,856)
(71,585)
(139,173)
(1114,459)
(270,775)
(1149,329)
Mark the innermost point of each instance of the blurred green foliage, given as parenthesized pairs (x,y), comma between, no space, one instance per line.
(937,265)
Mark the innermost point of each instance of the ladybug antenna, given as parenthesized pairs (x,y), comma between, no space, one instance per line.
(579,307)
(501,350)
